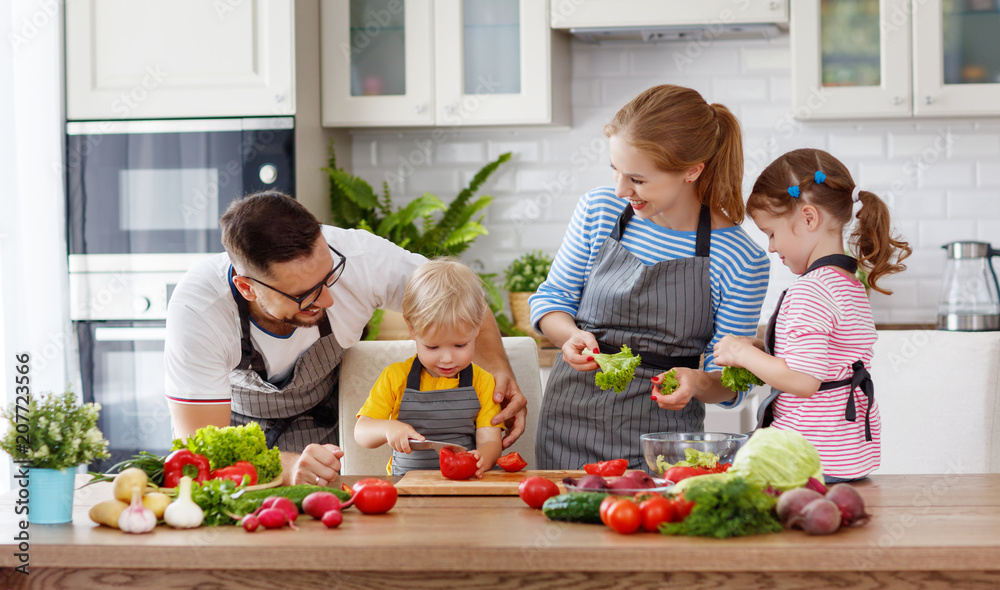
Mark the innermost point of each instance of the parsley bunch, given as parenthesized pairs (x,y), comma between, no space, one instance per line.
(725,506)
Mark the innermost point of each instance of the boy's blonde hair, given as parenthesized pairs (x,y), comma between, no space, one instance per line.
(443,294)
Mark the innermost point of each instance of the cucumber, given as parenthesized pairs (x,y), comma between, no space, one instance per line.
(251,500)
(577,507)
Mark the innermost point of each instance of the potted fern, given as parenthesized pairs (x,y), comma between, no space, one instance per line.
(427,225)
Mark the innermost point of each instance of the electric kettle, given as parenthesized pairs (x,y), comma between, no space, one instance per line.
(970,296)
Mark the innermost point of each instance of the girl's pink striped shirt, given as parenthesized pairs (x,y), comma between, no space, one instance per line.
(825,324)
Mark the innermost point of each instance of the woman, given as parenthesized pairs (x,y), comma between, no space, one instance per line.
(657,263)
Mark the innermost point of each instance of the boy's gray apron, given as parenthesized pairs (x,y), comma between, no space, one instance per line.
(445,415)
(859,379)
(300,410)
(663,312)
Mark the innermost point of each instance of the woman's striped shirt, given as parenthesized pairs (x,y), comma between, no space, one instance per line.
(738,267)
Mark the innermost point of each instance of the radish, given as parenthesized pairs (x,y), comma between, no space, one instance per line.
(819,517)
(791,503)
(333,518)
(850,504)
(285,505)
(317,504)
(249,523)
(272,518)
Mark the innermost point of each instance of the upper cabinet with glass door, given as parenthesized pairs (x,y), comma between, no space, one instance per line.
(895,58)
(441,62)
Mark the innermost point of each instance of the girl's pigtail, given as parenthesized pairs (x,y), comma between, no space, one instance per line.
(879,252)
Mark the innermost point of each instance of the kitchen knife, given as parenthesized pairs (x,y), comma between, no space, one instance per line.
(422,445)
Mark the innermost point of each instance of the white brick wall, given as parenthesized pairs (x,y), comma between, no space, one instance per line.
(941,177)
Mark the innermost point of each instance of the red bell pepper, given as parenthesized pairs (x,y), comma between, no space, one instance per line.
(512,462)
(236,472)
(174,464)
(457,465)
(612,468)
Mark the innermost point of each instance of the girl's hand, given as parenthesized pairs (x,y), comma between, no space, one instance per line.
(690,383)
(729,350)
(398,435)
(479,463)
(579,350)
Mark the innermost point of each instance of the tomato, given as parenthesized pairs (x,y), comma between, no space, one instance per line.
(682,507)
(605,505)
(536,490)
(721,467)
(656,511)
(612,468)
(374,496)
(624,516)
(512,462)
(675,474)
(457,465)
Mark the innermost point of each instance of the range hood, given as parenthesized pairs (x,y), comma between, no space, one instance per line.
(599,21)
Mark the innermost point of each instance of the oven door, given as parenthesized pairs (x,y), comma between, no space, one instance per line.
(159,187)
(122,369)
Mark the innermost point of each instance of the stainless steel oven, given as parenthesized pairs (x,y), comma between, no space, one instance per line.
(144,201)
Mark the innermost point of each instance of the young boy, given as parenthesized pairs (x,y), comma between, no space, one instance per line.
(439,394)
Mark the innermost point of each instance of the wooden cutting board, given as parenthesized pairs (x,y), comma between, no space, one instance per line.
(493,483)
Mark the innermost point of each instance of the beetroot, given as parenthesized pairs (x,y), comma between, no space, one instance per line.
(819,517)
(815,484)
(850,504)
(791,503)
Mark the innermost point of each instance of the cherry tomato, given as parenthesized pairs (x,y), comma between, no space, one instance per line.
(605,505)
(656,511)
(682,508)
(536,490)
(512,462)
(624,516)
(374,496)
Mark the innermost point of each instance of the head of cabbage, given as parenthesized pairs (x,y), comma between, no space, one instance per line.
(782,459)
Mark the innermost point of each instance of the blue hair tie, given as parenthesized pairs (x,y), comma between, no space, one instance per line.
(794,191)
(819,177)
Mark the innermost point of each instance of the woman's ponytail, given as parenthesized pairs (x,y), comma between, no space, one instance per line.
(720,185)
(878,251)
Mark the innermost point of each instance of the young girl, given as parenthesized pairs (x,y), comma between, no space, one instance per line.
(818,346)
(657,262)
(438,394)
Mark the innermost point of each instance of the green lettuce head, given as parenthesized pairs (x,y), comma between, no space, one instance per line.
(782,459)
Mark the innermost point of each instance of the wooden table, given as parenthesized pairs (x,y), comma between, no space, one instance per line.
(928,531)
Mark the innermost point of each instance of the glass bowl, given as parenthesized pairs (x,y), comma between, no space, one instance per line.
(671,445)
(662,486)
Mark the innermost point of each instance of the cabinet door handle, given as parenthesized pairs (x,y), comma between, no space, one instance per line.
(898,100)
(449,110)
(928,100)
(418,109)
(775,5)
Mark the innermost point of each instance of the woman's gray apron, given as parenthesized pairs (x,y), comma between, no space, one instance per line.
(859,379)
(663,312)
(445,415)
(298,411)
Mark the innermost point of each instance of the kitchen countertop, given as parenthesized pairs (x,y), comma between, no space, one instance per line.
(928,531)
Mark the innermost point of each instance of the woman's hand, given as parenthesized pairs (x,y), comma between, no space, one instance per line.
(731,350)
(691,382)
(578,351)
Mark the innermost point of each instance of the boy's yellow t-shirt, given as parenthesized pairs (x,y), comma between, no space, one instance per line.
(386,395)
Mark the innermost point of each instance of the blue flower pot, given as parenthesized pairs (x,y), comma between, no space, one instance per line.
(50,495)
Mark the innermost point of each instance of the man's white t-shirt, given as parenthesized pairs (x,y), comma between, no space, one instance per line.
(203,322)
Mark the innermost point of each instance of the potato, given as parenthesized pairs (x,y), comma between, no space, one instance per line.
(106,513)
(157,502)
(127,480)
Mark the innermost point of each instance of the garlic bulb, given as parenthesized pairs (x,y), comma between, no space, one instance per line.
(137,518)
(183,513)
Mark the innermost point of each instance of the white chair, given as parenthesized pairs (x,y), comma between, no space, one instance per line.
(363,363)
(939,397)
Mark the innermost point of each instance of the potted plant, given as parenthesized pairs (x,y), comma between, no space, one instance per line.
(521,279)
(52,435)
(426,225)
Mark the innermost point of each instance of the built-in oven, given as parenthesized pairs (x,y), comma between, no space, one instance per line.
(143,205)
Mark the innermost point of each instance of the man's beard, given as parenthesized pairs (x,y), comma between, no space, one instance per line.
(294,320)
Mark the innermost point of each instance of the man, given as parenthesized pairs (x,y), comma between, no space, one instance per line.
(257,333)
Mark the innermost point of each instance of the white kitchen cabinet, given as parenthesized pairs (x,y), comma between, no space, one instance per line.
(179,58)
(442,63)
(895,58)
(573,14)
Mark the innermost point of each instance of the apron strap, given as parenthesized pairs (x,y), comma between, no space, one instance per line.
(413,379)
(862,379)
(655,361)
(703,238)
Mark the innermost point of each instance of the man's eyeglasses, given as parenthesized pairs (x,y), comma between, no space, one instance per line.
(305,301)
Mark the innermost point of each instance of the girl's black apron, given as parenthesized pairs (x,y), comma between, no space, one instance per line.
(860,378)
(445,415)
(300,410)
(664,313)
